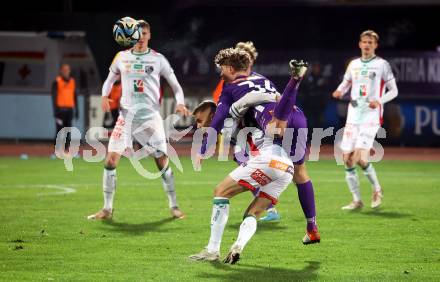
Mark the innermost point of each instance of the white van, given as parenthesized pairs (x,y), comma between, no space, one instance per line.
(29,63)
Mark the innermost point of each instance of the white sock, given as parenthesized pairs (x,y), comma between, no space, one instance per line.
(370,173)
(168,187)
(353,183)
(247,230)
(109,187)
(219,218)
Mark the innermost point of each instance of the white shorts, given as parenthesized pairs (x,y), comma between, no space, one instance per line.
(149,133)
(270,174)
(358,136)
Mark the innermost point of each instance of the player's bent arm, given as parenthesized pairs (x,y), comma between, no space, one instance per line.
(106,89)
(108,83)
(391,93)
(342,88)
(175,86)
(239,108)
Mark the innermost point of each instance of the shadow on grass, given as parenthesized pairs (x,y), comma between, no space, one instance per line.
(246,272)
(138,228)
(386,214)
(261,227)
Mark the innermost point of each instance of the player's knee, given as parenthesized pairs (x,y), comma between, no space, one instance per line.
(300,175)
(349,162)
(220,191)
(111,162)
(363,163)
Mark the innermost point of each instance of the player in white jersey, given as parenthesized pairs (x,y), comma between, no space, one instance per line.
(368,78)
(139,70)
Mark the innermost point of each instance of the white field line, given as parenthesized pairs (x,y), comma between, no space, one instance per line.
(62,189)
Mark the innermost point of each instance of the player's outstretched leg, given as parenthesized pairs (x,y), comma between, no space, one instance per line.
(109,188)
(353,184)
(162,163)
(298,68)
(288,98)
(370,173)
(219,218)
(168,187)
(272,213)
(306,197)
(249,225)
(247,229)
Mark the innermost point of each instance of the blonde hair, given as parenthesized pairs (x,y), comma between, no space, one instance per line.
(249,47)
(143,23)
(370,33)
(234,57)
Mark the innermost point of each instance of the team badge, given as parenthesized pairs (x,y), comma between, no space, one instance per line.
(149,69)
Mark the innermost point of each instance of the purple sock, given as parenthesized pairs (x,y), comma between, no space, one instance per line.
(285,106)
(307,199)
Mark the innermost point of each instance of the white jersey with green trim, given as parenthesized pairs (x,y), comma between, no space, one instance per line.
(367,78)
(140,80)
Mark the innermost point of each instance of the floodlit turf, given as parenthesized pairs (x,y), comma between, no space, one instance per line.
(45,236)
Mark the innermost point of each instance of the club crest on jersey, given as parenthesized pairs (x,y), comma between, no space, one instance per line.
(372,75)
(363,90)
(149,69)
(138,85)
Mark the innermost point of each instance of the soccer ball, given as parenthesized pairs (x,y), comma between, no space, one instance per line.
(126,32)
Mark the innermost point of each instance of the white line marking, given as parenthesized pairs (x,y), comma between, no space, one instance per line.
(62,189)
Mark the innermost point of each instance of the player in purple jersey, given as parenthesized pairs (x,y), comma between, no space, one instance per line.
(254,85)
(261,172)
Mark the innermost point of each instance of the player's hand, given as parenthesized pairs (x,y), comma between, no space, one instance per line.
(182,110)
(198,162)
(105,104)
(374,104)
(337,94)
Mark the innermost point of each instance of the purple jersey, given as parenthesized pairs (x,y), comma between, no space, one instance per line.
(263,113)
(233,91)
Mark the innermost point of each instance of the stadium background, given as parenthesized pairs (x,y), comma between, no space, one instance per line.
(44,234)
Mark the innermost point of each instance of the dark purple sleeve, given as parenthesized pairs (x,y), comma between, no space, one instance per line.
(220,115)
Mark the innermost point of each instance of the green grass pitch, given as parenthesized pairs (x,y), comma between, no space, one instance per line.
(44,234)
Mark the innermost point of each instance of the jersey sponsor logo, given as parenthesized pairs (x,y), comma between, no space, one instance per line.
(149,69)
(281,166)
(137,66)
(260,177)
(138,85)
(362,90)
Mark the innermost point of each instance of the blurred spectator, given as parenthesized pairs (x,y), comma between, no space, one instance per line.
(65,101)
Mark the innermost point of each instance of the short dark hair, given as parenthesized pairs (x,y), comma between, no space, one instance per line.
(204,105)
(234,57)
(143,23)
